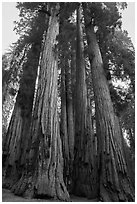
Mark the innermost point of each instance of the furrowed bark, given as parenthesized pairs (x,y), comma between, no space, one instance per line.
(43,176)
(67,123)
(70,122)
(16,140)
(64,126)
(113,177)
(83,177)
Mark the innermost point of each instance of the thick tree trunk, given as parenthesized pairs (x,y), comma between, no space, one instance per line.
(83,160)
(16,141)
(43,176)
(113,178)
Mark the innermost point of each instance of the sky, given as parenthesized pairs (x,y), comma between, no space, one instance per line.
(10,14)
(128,20)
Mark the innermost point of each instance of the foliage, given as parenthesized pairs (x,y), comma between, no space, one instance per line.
(6,112)
(15,63)
(5,69)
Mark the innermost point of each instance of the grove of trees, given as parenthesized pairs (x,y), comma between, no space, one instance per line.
(72,125)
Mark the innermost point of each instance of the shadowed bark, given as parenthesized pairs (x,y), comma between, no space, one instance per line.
(84,176)
(70,122)
(67,123)
(113,177)
(64,125)
(16,141)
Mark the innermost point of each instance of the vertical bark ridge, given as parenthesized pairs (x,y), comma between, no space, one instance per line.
(70,121)
(84,174)
(64,125)
(9,149)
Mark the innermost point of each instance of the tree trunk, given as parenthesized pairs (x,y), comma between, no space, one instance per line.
(67,122)
(43,176)
(10,148)
(113,178)
(16,140)
(70,123)
(130,160)
(64,127)
(83,160)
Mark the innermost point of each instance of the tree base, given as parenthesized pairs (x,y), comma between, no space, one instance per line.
(34,188)
(109,195)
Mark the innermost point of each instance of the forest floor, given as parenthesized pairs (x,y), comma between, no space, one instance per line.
(7,196)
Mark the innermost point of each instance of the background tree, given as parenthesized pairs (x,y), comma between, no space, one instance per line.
(16,141)
(66,49)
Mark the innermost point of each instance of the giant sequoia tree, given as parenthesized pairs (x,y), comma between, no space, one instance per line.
(43,175)
(84,176)
(16,140)
(114,182)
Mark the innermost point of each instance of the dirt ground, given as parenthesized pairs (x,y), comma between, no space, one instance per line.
(7,196)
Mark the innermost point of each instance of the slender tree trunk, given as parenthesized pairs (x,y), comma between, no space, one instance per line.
(63,126)
(67,123)
(113,178)
(16,140)
(83,160)
(44,167)
(70,123)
